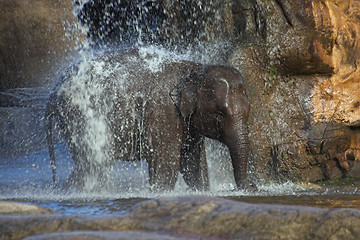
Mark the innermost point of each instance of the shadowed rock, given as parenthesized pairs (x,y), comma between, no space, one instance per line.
(35,37)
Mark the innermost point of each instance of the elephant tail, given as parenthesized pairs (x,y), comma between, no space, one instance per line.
(49,118)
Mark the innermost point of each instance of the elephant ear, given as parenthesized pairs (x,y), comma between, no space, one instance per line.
(184,94)
(188,100)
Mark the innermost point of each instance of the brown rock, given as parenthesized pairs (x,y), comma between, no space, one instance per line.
(12,208)
(351,157)
(113,235)
(192,218)
(34,41)
(354,168)
(312,174)
(299,61)
(336,98)
(332,170)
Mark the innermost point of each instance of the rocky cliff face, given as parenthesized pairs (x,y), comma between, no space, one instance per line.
(34,38)
(300,66)
(299,60)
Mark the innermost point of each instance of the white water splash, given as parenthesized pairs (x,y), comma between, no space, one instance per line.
(86,95)
(29,179)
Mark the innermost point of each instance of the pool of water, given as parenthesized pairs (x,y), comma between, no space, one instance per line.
(29,180)
(121,206)
(93,207)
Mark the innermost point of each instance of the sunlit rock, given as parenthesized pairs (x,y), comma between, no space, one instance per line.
(337,98)
(12,208)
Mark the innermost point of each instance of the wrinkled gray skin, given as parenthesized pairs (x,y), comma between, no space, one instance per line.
(161,116)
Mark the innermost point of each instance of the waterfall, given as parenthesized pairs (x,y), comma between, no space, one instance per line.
(184,30)
(153,27)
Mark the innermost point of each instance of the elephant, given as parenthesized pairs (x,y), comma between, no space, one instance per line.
(132,105)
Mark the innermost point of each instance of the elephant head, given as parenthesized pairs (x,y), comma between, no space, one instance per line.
(213,103)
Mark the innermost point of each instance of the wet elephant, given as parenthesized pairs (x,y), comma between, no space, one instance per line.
(129,105)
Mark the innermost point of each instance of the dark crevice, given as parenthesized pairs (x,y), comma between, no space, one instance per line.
(288,20)
(274,164)
(260,22)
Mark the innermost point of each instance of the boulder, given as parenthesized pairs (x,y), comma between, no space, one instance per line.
(35,38)
(14,208)
(191,218)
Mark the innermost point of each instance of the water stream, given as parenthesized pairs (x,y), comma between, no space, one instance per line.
(28,180)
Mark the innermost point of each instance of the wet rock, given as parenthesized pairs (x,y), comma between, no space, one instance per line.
(197,22)
(187,25)
(191,218)
(313,174)
(299,62)
(354,168)
(113,235)
(12,208)
(351,158)
(35,37)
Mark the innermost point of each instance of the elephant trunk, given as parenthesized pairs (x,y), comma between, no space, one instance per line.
(237,140)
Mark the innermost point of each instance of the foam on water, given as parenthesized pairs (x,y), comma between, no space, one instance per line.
(29,178)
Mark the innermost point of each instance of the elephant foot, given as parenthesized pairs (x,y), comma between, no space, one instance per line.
(74,183)
(88,181)
(248,186)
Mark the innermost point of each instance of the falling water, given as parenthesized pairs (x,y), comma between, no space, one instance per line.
(139,24)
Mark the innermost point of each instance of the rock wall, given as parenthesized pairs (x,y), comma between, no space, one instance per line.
(299,61)
(36,39)
(35,36)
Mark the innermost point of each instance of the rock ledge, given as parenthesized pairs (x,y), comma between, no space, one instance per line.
(191,218)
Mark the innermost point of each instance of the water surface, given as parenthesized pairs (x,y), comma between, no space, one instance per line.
(29,180)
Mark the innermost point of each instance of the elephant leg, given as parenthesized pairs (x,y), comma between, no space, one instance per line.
(162,138)
(76,179)
(163,157)
(193,165)
(163,170)
(203,182)
(87,174)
